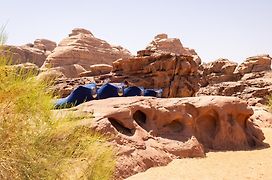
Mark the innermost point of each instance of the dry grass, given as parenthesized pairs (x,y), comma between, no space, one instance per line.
(35,145)
(270,102)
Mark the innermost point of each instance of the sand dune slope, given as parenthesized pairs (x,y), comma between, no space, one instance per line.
(256,164)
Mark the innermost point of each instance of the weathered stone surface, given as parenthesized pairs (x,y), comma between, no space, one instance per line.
(82,48)
(96,70)
(26,68)
(50,76)
(193,53)
(255,64)
(253,87)
(221,70)
(23,54)
(149,132)
(44,44)
(162,43)
(222,66)
(262,117)
(175,74)
(72,70)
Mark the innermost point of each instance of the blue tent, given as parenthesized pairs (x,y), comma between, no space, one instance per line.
(77,96)
(133,91)
(89,92)
(109,90)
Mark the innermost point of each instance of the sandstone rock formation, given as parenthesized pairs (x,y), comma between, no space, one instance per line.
(250,81)
(262,117)
(221,70)
(26,68)
(50,76)
(149,132)
(24,54)
(255,64)
(175,74)
(162,43)
(44,45)
(97,70)
(81,48)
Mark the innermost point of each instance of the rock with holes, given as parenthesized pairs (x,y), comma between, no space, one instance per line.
(149,132)
(176,74)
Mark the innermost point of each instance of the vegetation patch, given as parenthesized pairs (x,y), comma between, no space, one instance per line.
(35,144)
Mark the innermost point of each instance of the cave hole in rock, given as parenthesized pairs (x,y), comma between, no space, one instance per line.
(140,117)
(207,126)
(121,128)
(175,126)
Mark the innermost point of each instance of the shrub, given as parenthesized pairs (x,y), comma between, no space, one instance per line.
(36,145)
(270,102)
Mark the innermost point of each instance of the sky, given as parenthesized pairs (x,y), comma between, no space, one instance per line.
(233,29)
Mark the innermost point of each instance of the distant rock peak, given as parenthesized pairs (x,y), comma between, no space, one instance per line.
(77,31)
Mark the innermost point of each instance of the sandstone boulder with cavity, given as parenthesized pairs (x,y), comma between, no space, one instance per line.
(148,132)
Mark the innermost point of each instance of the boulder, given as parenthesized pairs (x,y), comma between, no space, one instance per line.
(221,70)
(222,66)
(83,49)
(252,87)
(262,117)
(44,45)
(255,64)
(162,43)
(175,74)
(50,75)
(72,70)
(27,68)
(23,54)
(96,70)
(149,132)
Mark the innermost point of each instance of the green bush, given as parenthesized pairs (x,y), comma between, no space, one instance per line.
(37,145)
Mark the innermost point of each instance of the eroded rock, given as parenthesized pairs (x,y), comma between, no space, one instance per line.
(149,132)
(175,74)
(44,45)
(252,87)
(23,54)
(255,64)
(161,43)
(97,70)
(83,49)
(221,70)
(262,117)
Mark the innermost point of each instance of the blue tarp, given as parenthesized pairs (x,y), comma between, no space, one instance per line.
(89,92)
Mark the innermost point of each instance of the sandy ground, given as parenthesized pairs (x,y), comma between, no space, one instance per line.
(256,164)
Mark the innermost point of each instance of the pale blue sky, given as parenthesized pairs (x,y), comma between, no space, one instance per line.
(233,29)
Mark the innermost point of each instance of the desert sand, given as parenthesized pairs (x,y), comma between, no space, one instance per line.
(254,164)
